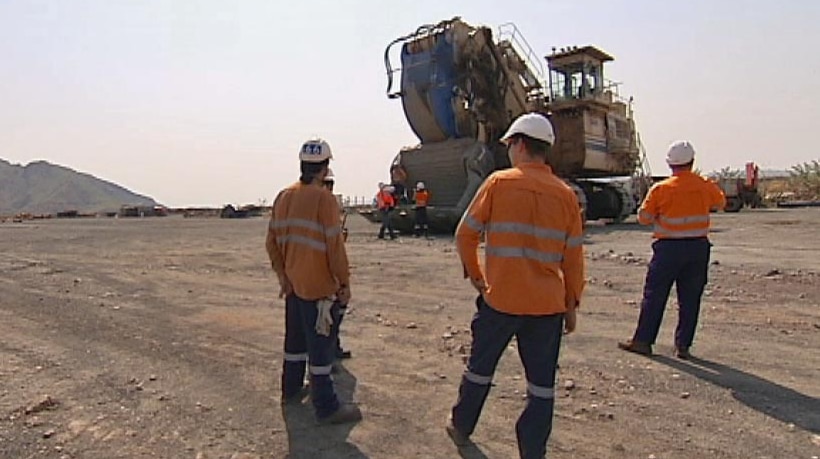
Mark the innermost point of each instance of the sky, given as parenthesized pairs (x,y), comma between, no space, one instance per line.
(205,103)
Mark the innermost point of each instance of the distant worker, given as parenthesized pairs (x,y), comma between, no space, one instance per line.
(385,203)
(307,253)
(679,209)
(340,353)
(422,197)
(398,181)
(531,284)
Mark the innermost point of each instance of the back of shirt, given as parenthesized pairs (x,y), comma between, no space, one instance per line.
(679,206)
(534,254)
(305,241)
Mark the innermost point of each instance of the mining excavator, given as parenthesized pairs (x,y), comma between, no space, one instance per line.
(460,88)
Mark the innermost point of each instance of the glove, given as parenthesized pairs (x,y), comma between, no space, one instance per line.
(324,318)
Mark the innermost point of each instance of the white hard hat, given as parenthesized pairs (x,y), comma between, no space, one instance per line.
(680,153)
(315,151)
(532,125)
(420,185)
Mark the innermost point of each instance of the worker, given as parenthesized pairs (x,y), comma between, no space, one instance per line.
(530,286)
(679,208)
(306,251)
(340,353)
(385,203)
(398,180)
(422,197)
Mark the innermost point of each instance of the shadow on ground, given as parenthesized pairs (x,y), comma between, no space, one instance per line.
(307,440)
(767,397)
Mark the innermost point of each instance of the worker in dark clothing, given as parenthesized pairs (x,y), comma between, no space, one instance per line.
(329,182)
(679,208)
(422,197)
(531,284)
(386,202)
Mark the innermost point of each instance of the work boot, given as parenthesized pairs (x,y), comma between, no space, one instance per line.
(459,439)
(636,347)
(346,414)
(682,353)
(343,354)
(297,397)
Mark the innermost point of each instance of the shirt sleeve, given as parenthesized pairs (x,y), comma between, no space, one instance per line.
(334,240)
(573,261)
(277,260)
(718,199)
(649,208)
(471,227)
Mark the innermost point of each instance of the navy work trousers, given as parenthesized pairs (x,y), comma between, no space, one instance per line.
(386,223)
(421,221)
(539,339)
(684,262)
(304,346)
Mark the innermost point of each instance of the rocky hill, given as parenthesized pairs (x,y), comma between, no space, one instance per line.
(44,188)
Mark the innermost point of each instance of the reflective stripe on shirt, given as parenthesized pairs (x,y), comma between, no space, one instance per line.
(682,234)
(527,230)
(524,252)
(307,224)
(646,216)
(303,240)
(684,220)
(473,223)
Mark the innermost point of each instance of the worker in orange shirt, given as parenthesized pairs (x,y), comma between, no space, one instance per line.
(679,208)
(422,197)
(306,251)
(530,286)
(386,202)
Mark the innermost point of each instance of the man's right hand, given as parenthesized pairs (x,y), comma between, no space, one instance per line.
(479,284)
(570,320)
(343,294)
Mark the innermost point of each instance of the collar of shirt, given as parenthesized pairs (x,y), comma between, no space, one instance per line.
(535,166)
(682,173)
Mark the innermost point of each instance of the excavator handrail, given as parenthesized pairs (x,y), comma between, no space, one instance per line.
(517,38)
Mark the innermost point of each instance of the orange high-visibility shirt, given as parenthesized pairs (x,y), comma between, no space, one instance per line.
(385,200)
(534,254)
(305,241)
(422,198)
(679,206)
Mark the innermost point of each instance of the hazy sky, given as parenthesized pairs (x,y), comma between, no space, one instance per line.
(207,102)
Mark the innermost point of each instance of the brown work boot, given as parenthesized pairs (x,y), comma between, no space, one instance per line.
(636,347)
(459,439)
(346,413)
(682,353)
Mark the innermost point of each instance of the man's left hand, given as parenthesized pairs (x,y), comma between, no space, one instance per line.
(285,287)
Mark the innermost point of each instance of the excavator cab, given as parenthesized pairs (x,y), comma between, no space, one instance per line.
(596,144)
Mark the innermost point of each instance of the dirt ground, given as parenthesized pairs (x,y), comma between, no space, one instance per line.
(162,337)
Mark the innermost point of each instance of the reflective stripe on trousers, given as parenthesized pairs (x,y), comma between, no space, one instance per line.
(303,345)
(539,339)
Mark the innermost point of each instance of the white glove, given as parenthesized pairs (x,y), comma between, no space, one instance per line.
(324,318)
